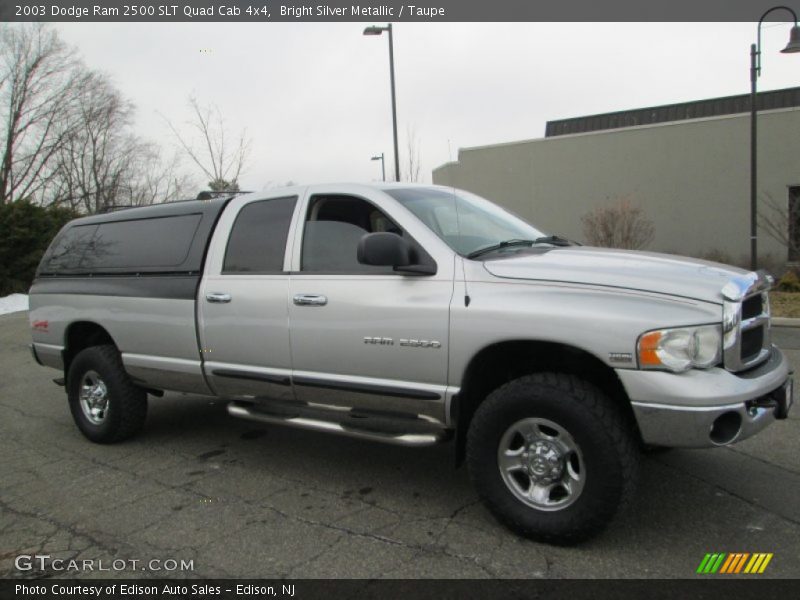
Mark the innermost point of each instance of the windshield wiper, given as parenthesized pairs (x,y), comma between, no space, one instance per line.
(555,240)
(499,246)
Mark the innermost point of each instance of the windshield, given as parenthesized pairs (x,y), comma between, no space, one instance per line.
(464,221)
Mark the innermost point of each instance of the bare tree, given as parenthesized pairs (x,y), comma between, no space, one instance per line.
(157,180)
(66,131)
(207,146)
(413,165)
(619,224)
(781,223)
(39,78)
(96,156)
(101,163)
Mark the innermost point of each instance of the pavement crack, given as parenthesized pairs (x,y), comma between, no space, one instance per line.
(730,493)
(462,508)
(308,561)
(428,548)
(762,460)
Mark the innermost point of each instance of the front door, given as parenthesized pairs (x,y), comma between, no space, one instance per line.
(365,337)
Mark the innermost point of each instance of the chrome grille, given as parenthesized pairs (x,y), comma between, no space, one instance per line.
(746,321)
(752,307)
(752,343)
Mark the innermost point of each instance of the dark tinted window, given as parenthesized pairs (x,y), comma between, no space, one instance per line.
(68,249)
(161,243)
(142,243)
(258,238)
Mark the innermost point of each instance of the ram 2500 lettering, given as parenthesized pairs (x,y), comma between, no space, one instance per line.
(412,314)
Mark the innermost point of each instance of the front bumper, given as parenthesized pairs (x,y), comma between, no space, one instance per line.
(704,408)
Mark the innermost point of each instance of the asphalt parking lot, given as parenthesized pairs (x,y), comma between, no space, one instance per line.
(242,500)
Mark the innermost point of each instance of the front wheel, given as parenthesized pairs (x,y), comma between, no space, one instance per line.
(552,457)
(105,404)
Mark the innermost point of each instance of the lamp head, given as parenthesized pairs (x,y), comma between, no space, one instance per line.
(374,30)
(794,41)
(377,158)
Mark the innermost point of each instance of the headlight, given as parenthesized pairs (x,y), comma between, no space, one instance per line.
(681,349)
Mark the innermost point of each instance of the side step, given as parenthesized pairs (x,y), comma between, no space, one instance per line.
(402,430)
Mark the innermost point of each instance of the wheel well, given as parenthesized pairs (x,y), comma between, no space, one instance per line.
(502,362)
(81,335)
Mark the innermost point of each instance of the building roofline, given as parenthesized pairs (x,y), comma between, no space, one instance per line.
(610,130)
(670,113)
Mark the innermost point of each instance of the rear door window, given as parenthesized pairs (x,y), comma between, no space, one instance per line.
(257,242)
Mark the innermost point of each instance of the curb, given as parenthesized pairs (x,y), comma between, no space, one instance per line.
(785,322)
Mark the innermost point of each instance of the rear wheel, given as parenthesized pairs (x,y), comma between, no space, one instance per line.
(552,457)
(105,404)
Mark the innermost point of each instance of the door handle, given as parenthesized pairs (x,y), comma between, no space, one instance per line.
(218,298)
(310,300)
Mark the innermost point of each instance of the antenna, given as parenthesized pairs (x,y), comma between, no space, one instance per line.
(450,178)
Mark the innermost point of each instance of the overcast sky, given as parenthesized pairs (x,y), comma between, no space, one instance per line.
(315,98)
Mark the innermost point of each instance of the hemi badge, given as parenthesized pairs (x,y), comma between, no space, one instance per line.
(620,357)
(41,325)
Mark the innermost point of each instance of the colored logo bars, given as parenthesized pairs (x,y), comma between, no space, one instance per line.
(735,563)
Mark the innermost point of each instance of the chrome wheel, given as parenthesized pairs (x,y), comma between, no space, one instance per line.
(93,398)
(541,464)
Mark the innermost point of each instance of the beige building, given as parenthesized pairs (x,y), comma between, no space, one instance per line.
(686,165)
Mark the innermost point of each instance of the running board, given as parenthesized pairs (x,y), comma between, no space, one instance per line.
(401,431)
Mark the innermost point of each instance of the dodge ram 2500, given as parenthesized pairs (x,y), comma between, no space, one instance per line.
(413,314)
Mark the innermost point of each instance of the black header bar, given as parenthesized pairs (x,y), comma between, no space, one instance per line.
(416,589)
(255,11)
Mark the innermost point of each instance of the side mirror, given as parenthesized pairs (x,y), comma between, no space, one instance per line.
(390,250)
(384,250)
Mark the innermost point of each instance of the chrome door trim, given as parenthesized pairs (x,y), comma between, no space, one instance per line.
(366,388)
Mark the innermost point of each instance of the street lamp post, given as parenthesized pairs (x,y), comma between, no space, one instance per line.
(383,164)
(755,73)
(375,30)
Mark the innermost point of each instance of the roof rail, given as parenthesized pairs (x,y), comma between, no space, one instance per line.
(204,195)
(209,194)
(114,208)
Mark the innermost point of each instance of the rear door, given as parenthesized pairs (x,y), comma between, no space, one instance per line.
(242,302)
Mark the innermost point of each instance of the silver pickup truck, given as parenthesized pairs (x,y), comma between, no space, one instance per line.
(411,315)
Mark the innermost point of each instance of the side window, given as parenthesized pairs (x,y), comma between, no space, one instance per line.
(257,241)
(124,245)
(334,226)
(161,242)
(67,250)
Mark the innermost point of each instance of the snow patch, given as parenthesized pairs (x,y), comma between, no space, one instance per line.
(13,303)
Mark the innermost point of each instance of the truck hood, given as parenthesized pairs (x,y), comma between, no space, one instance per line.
(644,271)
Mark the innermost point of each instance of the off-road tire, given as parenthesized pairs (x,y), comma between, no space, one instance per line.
(605,436)
(127,403)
